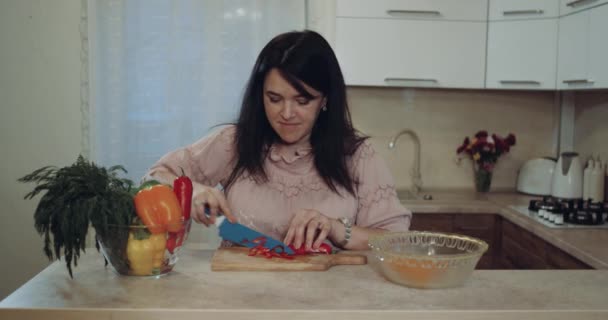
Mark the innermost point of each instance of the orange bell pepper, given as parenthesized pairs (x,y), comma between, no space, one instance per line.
(158,208)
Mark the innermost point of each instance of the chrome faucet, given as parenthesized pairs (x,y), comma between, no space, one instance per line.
(415,172)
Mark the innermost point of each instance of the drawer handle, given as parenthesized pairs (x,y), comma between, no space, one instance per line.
(573,81)
(426,12)
(528,82)
(578,2)
(410,79)
(517,12)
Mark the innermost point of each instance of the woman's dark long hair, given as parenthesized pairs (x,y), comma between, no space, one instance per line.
(299,57)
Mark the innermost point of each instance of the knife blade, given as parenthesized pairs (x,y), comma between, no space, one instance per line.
(242,235)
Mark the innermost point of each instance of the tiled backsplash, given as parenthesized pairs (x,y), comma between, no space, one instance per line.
(591,124)
(442,118)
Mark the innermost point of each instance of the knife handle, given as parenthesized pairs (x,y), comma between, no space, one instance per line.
(218,220)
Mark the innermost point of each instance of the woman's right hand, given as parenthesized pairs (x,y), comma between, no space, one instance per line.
(211,198)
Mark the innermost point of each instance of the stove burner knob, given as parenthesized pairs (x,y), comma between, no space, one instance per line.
(559,219)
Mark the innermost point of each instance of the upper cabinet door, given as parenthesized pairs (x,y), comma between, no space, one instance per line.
(522,54)
(467,10)
(598,46)
(573,52)
(390,52)
(523,9)
(571,6)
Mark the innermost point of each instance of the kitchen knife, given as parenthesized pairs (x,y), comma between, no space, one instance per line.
(243,235)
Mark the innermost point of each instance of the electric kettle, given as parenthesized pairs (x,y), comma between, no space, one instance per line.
(567,180)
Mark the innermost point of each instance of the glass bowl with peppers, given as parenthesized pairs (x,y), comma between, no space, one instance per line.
(150,245)
(135,251)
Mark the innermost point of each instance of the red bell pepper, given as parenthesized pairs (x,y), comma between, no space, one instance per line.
(182,187)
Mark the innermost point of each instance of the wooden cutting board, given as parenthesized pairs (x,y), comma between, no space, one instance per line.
(236,259)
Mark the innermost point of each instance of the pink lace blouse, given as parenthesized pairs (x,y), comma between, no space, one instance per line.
(293,184)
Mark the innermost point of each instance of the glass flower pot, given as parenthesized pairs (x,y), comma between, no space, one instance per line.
(483,179)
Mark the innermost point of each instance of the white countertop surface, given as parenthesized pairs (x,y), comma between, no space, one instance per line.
(193,291)
(340,293)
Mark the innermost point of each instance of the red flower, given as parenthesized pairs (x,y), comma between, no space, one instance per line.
(485,150)
(481,134)
(464,145)
(510,139)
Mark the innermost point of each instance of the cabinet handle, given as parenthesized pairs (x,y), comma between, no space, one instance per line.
(578,81)
(577,2)
(530,82)
(427,12)
(410,79)
(516,12)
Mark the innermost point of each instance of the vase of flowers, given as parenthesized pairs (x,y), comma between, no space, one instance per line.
(485,150)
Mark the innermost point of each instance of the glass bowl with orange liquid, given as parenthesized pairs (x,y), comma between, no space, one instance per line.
(422,259)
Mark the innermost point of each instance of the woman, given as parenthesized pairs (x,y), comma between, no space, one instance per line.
(292,167)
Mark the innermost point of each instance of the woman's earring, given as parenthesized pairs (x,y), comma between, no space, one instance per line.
(324,108)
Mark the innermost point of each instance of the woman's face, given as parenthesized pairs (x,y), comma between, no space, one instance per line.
(291,115)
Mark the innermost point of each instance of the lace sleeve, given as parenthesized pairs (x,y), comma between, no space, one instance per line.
(207,161)
(378,205)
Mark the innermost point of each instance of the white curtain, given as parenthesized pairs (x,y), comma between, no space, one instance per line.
(165,72)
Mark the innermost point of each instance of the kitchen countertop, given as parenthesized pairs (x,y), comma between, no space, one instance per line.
(588,245)
(192,290)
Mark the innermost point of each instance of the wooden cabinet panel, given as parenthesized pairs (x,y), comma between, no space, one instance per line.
(432,222)
(486,262)
(558,259)
(523,238)
(481,226)
(474,221)
(521,249)
(519,257)
(510,246)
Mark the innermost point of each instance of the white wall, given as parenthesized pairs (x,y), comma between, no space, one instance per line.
(39,119)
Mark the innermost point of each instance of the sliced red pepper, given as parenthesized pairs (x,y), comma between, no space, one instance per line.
(323,249)
(269,253)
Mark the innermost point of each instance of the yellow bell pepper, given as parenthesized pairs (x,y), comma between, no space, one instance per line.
(146,253)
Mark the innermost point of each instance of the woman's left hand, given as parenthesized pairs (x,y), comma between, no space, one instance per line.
(308,227)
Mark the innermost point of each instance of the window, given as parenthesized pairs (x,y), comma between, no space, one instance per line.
(165,72)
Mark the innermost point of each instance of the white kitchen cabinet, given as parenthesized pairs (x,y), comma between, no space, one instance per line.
(573,52)
(582,50)
(522,54)
(523,9)
(468,10)
(598,46)
(572,6)
(418,53)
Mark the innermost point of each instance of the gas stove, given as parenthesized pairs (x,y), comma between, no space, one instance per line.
(566,213)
